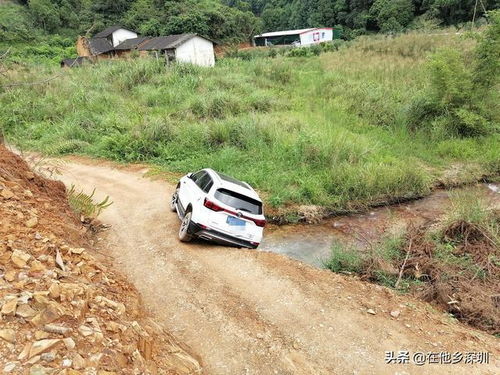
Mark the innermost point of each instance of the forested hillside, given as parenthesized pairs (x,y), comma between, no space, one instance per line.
(361,16)
(231,20)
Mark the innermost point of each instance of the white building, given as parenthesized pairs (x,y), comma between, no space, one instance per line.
(116,34)
(302,37)
(315,36)
(186,48)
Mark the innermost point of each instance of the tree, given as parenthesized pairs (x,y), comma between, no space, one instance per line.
(14,23)
(487,65)
(45,14)
(392,15)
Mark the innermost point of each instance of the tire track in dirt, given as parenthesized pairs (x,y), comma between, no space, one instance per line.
(247,312)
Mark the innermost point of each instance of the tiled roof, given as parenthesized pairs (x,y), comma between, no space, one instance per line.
(131,43)
(165,42)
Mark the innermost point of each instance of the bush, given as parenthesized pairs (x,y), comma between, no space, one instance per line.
(459,88)
(288,51)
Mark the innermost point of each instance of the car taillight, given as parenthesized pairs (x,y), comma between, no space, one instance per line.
(211,205)
(259,223)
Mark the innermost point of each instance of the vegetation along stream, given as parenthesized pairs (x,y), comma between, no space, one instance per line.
(312,243)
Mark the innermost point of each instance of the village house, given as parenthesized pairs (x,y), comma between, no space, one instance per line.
(186,48)
(118,42)
(301,37)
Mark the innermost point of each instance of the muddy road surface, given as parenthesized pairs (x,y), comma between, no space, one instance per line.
(255,312)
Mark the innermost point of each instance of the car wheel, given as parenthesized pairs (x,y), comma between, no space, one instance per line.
(184,234)
(173,201)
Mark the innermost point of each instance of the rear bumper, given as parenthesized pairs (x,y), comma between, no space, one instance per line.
(222,238)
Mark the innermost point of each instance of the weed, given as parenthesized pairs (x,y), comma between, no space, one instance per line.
(85,204)
(344,259)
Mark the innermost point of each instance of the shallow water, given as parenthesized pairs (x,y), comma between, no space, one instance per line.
(311,243)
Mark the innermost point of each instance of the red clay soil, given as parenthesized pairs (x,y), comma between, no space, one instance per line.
(63,308)
(49,196)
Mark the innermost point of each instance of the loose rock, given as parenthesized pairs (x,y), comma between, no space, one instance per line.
(9,306)
(8,335)
(9,367)
(7,194)
(41,346)
(20,258)
(395,313)
(25,311)
(52,328)
(31,223)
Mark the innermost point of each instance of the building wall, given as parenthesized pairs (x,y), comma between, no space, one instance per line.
(121,34)
(316,36)
(82,47)
(197,51)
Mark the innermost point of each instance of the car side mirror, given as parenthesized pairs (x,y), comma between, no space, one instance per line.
(189,175)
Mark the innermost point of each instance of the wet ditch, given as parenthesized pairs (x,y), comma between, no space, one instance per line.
(311,243)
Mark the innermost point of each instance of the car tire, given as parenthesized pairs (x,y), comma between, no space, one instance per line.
(184,230)
(173,201)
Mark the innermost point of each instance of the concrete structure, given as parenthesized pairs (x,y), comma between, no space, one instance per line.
(301,37)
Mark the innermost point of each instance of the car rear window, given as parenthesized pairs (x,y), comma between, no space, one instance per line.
(239,201)
(227,178)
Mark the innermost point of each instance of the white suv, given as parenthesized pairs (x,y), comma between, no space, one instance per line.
(219,208)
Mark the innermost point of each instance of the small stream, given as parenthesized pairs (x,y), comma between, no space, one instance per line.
(311,243)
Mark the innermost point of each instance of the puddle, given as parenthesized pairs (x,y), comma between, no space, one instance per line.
(311,243)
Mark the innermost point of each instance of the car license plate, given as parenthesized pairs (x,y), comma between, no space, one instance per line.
(234,221)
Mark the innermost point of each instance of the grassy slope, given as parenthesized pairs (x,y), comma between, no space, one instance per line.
(326,130)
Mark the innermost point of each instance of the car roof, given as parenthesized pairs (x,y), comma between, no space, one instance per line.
(233,184)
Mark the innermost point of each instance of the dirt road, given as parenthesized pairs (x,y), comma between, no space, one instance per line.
(251,312)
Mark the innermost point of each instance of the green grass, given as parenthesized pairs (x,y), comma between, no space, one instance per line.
(329,130)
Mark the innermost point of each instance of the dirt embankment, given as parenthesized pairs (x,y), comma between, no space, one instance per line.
(63,309)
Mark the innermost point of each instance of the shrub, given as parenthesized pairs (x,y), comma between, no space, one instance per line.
(301,52)
(216,106)
(459,88)
(157,131)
